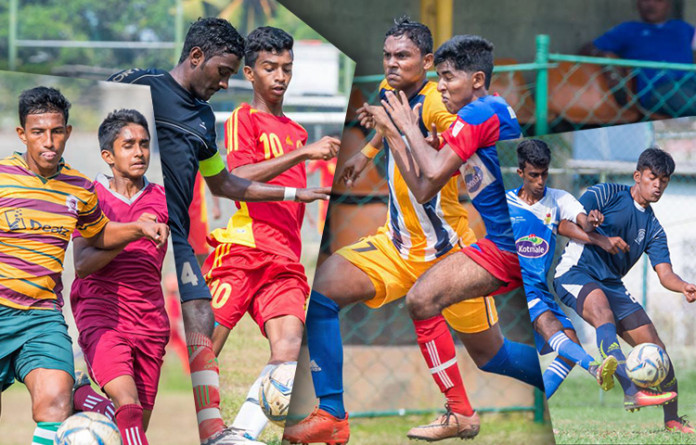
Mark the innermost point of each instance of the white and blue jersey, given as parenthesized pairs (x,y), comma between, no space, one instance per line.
(535,228)
(479,126)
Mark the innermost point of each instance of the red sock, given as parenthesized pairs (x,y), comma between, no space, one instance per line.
(129,419)
(205,377)
(87,399)
(437,347)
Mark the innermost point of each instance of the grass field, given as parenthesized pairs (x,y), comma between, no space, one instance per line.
(581,415)
(496,428)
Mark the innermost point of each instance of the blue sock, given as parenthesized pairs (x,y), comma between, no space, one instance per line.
(518,361)
(554,375)
(325,353)
(570,350)
(608,344)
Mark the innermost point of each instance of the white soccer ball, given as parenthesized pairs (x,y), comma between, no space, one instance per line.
(647,365)
(87,428)
(275,391)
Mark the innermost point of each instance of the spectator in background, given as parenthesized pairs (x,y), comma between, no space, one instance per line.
(654,38)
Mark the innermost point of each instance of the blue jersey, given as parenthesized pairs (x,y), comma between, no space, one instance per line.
(671,41)
(479,126)
(535,227)
(185,133)
(623,217)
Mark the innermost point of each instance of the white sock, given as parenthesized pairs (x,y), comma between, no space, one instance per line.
(250,417)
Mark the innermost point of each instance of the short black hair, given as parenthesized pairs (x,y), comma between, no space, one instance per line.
(417,32)
(533,152)
(657,161)
(468,53)
(114,122)
(214,37)
(42,100)
(266,38)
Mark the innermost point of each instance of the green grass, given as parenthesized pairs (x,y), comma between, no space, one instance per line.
(580,414)
(495,429)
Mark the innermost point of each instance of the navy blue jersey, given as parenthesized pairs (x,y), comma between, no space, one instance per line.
(185,133)
(623,217)
(479,126)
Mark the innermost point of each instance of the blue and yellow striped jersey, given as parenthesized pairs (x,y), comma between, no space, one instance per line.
(37,218)
(423,232)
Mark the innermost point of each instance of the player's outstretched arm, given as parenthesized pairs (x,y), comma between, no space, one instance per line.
(573,231)
(229,186)
(325,148)
(88,259)
(354,167)
(115,235)
(673,282)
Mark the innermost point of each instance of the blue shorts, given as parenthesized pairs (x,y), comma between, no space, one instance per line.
(573,287)
(538,302)
(31,339)
(188,273)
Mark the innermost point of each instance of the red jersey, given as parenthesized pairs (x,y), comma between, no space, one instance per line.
(198,214)
(127,293)
(253,136)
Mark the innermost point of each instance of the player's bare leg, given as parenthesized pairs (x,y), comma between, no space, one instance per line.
(648,334)
(220,335)
(597,311)
(51,401)
(129,413)
(454,279)
(285,338)
(337,284)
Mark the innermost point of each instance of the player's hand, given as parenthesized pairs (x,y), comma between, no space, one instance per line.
(313,194)
(323,149)
(353,168)
(365,116)
(433,139)
(614,245)
(147,217)
(400,111)
(689,292)
(157,232)
(595,218)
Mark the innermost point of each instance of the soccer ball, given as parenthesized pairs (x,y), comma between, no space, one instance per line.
(87,428)
(647,365)
(275,391)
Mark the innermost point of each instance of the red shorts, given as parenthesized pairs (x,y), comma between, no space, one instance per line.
(243,279)
(110,354)
(503,265)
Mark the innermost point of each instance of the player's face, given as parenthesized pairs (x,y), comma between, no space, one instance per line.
(45,136)
(650,186)
(457,86)
(653,11)
(211,75)
(404,65)
(271,74)
(534,179)
(131,155)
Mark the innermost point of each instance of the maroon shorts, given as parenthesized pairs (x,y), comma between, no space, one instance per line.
(501,264)
(110,354)
(243,279)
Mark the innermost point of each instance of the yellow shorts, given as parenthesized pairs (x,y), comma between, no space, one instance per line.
(393,276)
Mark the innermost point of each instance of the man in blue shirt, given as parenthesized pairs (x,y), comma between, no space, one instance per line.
(654,38)
(588,279)
(537,213)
